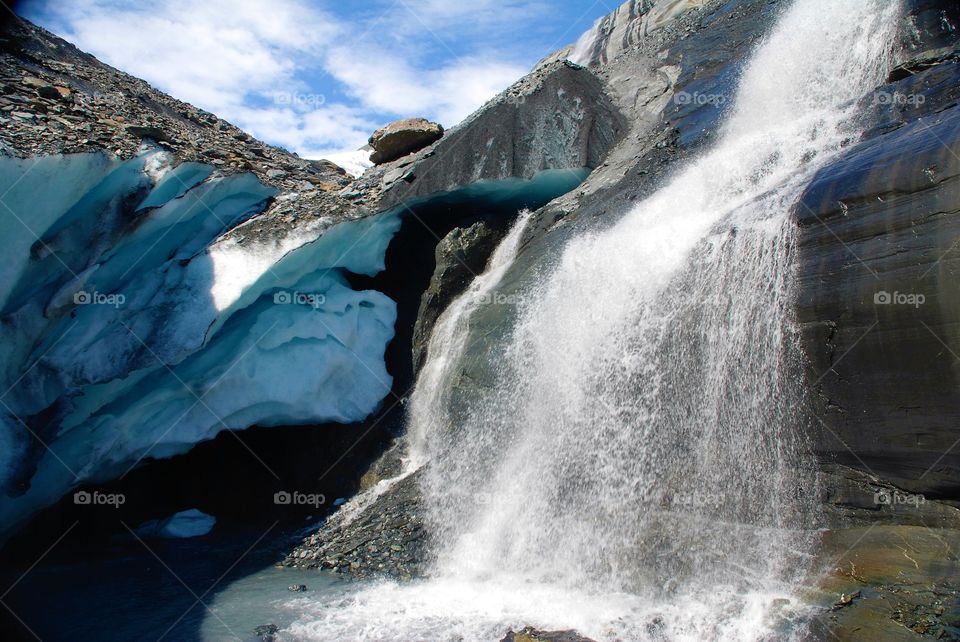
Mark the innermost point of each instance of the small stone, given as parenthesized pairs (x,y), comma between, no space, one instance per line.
(846,600)
(33,81)
(147,131)
(48,91)
(265,632)
(297,588)
(403,137)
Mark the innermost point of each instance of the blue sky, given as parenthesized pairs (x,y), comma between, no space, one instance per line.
(318,76)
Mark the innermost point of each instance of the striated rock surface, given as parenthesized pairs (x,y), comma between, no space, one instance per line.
(878,299)
(627,26)
(558,117)
(403,137)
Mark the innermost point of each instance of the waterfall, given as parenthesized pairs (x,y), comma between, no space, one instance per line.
(639,457)
(429,405)
(642,434)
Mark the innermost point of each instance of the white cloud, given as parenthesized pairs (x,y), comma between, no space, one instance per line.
(293,73)
(216,52)
(390,85)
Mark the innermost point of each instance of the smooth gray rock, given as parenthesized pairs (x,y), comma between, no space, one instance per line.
(878,297)
(530,634)
(558,117)
(403,137)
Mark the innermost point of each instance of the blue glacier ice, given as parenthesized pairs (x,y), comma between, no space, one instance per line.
(134,326)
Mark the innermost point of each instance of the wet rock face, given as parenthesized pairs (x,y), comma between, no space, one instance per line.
(460,256)
(888,582)
(530,634)
(403,137)
(878,270)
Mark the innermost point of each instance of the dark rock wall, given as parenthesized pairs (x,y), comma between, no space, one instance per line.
(460,255)
(878,279)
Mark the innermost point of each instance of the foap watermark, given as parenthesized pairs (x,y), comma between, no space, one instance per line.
(899,99)
(696,98)
(82,297)
(96,498)
(893,497)
(296,498)
(899,298)
(696,499)
(312,299)
(496,298)
(299,99)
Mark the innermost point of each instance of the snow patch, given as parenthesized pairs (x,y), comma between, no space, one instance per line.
(356,163)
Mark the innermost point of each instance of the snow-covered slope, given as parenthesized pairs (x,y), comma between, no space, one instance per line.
(132,326)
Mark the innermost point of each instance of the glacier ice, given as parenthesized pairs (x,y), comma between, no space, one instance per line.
(186,523)
(176,183)
(133,326)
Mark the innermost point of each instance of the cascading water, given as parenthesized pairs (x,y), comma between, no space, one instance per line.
(448,341)
(639,448)
(430,402)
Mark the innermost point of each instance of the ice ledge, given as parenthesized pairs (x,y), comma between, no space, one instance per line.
(131,328)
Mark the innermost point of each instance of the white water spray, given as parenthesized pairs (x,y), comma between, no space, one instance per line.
(641,475)
(430,402)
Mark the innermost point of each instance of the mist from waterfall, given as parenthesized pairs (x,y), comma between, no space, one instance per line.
(638,471)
